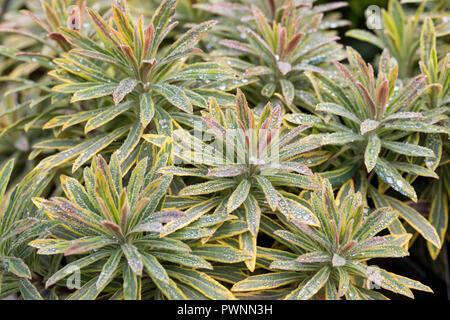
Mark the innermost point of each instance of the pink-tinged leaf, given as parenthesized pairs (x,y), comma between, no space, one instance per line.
(294,133)
(236,45)
(258,71)
(292,45)
(146,68)
(148,41)
(41,23)
(102,27)
(371,108)
(129,55)
(282,39)
(155,227)
(215,126)
(348,246)
(167,216)
(60,40)
(382,98)
(88,244)
(275,117)
(113,228)
(244,113)
(408,95)
(345,72)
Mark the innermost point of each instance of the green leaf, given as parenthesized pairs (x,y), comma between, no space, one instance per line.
(183,258)
(109,269)
(288,91)
(93,92)
(416,220)
(365,36)
(266,281)
(229,229)
(5,173)
(28,291)
(252,214)
(131,284)
(85,150)
(106,115)
(408,149)
(190,38)
(175,96)
(338,110)
(269,191)
(170,290)
(134,258)
(372,151)
(268,89)
(154,269)
(201,282)
(88,291)
(87,244)
(220,253)
(125,87)
(340,138)
(414,169)
(161,18)
(227,171)
(314,284)
(16,266)
(438,216)
(130,143)
(74,266)
(294,210)
(192,214)
(389,175)
(17,228)
(238,196)
(147,110)
(164,244)
(207,187)
(50,246)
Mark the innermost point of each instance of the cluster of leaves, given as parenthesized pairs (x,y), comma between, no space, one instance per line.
(243,153)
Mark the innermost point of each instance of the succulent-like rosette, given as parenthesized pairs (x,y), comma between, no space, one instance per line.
(246,162)
(372,116)
(276,51)
(331,261)
(116,234)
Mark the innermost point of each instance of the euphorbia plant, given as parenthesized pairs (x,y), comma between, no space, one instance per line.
(117,234)
(127,61)
(248,160)
(331,261)
(19,223)
(270,165)
(276,51)
(378,125)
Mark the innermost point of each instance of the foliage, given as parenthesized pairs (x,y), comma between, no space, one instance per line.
(116,233)
(331,261)
(239,152)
